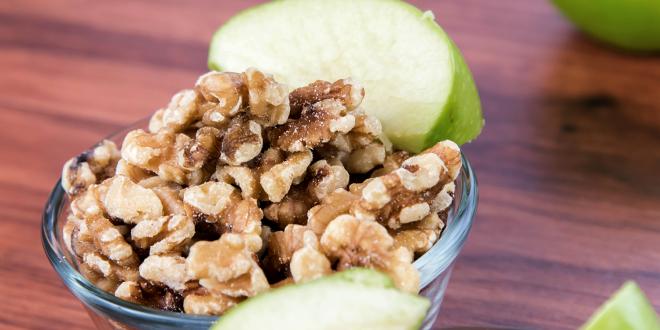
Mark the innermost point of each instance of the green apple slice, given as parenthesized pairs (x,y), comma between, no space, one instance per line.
(416,80)
(627,309)
(363,276)
(342,302)
(630,24)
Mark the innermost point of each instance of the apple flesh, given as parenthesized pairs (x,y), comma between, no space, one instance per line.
(415,79)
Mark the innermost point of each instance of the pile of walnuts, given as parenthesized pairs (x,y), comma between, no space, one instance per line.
(238,186)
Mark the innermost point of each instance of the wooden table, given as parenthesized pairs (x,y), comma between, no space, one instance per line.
(568,164)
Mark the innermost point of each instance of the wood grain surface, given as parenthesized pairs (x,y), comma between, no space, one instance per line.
(568,164)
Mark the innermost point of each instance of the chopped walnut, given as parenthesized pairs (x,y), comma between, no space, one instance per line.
(220,203)
(418,237)
(168,234)
(195,153)
(335,204)
(168,193)
(366,158)
(346,91)
(91,166)
(281,247)
(224,93)
(167,270)
(242,141)
(406,194)
(317,124)
(392,162)
(207,303)
(210,198)
(131,202)
(158,153)
(179,113)
(227,266)
(136,174)
(292,209)
(450,154)
(269,100)
(244,177)
(308,263)
(277,181)
(110,242)
(130,291)
(326,178)
(444,199)
(359,243)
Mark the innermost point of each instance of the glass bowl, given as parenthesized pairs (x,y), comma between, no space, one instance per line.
(110,312)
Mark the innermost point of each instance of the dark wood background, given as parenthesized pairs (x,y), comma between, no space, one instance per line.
(568,163)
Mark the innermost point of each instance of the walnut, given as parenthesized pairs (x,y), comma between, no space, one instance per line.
(269,100)
(106,258)
(404,195)
(292,209)
(224,94)
(227,266)
(450,154)
(110,242)
(158,153)
(168,234)
(364,159)
(318,124)
(444,199)
(131,202)
(136,174)
(206,303)
(335,204)
(170,198)
(346,91)
(130,291)
(166,270)
(277,181)
(361,149)
(88,204)
(326,178)
(281,247)
(243,177)
(392,162)
(152,294)
(242,141)
(308,263)
(418,237)
(359,243)
(91,166)
(179,113)
(211,198)
(220,203)
(104,273)
(195,153)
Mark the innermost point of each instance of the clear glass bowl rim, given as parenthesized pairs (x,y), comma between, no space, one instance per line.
(431,264)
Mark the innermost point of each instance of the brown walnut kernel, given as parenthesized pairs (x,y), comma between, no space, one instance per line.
(166,235)
(242,141)
(361,243)
(178,115)
(346,91)
(268,99)
(91,166)
(318,124)
(227,266)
